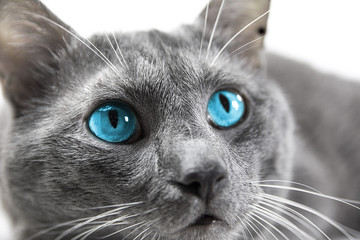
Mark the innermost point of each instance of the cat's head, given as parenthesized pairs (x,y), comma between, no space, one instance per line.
(179,127)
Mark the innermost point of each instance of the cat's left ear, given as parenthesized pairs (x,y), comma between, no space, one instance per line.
(31,41)
(233,17)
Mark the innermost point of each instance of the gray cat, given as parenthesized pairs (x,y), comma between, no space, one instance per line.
(195,134)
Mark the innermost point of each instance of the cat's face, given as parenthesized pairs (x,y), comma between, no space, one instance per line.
(180,171)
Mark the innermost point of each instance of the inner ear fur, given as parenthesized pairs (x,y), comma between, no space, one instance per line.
(30,44)
(235,15)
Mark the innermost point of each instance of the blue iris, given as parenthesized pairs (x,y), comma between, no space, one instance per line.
(226,108)
(113,122)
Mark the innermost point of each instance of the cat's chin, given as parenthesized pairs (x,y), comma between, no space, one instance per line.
(205,220)
(205,227)
(212,231)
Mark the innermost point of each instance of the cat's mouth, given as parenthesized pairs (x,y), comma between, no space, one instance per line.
(205,220)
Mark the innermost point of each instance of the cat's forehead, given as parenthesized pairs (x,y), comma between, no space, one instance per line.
(154,65)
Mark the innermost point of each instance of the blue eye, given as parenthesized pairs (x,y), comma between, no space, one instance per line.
(226,108)
(113,122)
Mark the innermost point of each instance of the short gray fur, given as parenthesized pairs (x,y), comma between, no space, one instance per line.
(301,126)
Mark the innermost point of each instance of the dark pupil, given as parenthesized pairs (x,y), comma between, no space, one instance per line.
(225,103)
(113,118)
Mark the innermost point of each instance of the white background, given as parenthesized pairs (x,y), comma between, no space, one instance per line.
(324,33)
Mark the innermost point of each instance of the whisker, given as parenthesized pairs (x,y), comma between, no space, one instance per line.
(272,226)
(97,52)
(118,48)
(235,36)
(214,28)
(253,215)
(294,215)
(204,30)
(246,49)
(140,224)
(78,226)
(287,182)
(147,234)
(128,235)
(247,44)
(244,229)
(315,192)
(123,229)
(120,220)
(255,229)
(244,224)
(243,234)
(141,233)
(91,219)
(91,231)
(344,201)
(153,238)
(119,205)
(310,210)
(57,226)
(285,222)
(112,47)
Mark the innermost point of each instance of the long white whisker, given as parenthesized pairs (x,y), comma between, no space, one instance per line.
(146,234)
(57,226)
(253,215)
(287,182)
(235,36)
(214,28)
(204,30)
(60,225)
(123,229)
(153,238)
(118,205)
(80,225)
(285,222)
(272,226)
(245,225)
(146,223)
(246,49)
(112,47)
(311,193)
(243,231)
(121,54)
(255,228)
(119,220)
(247,229)
(294,215)
(247,44)
(310,210)
(97,52)
(141,233)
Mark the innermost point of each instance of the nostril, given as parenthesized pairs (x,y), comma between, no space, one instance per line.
(203,182)
(220,179)
(192,188)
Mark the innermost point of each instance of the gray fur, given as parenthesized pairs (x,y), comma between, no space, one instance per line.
(53,170)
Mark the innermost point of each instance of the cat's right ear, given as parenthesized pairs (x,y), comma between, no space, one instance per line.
(31,41)
(244,22)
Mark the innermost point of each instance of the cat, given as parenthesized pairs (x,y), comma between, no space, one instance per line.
(181,135)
